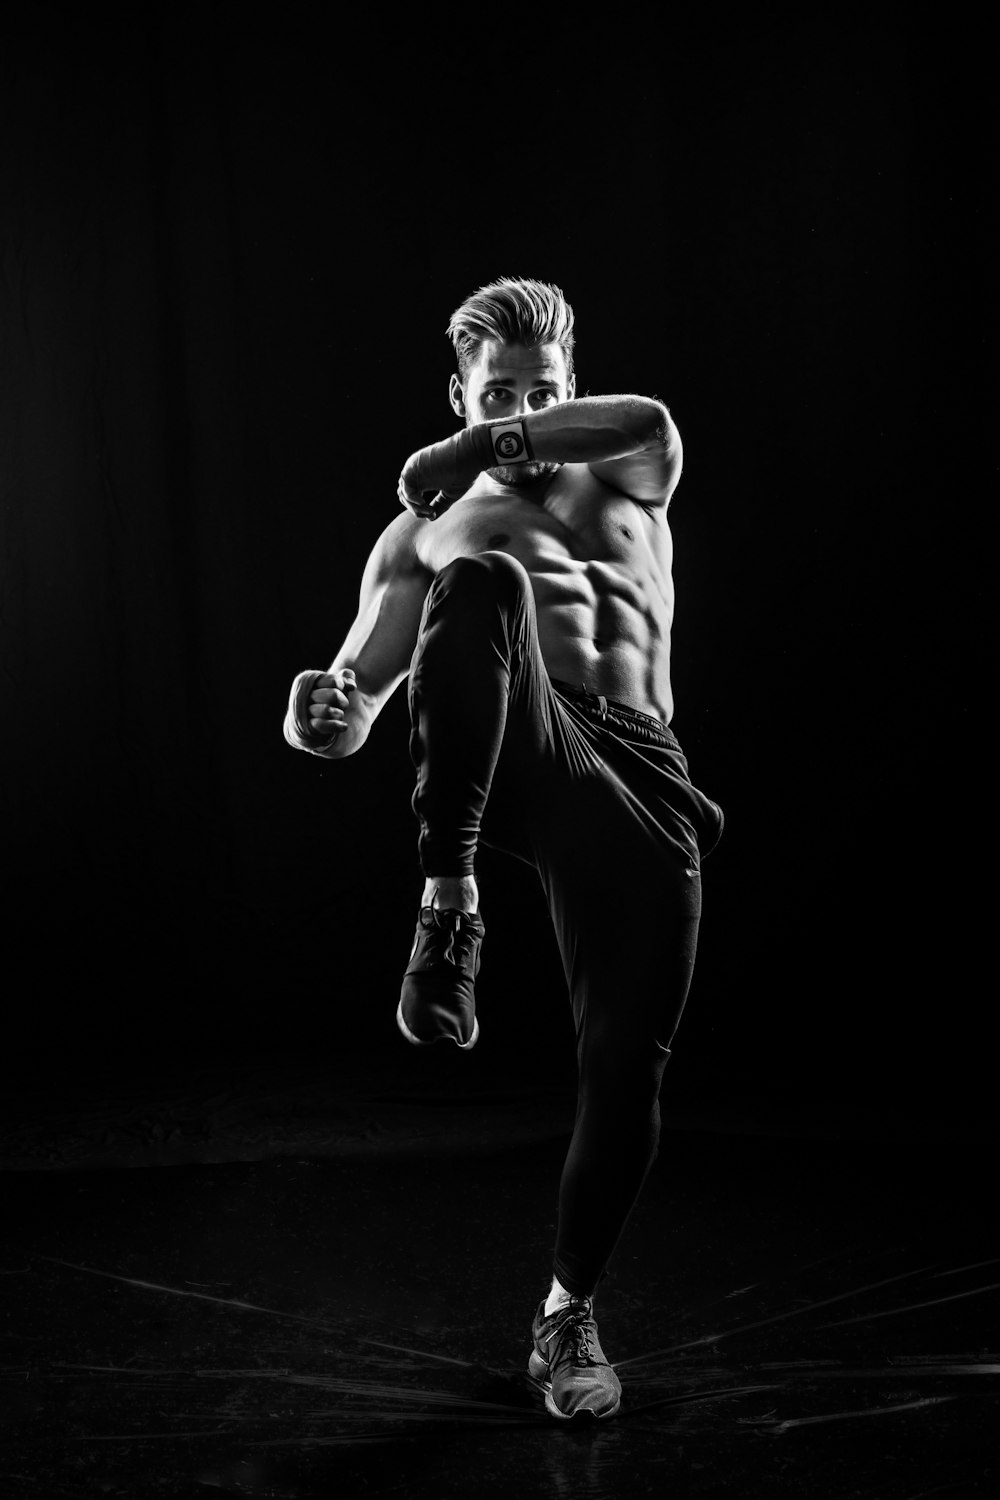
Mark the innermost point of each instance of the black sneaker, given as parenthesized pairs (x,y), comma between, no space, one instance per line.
(438,1001)
(567,1361)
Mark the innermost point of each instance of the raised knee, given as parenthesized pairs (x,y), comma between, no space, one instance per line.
(485,571)
(503,566)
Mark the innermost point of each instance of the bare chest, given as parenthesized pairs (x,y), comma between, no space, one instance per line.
(573,540)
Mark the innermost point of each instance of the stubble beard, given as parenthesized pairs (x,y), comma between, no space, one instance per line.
(516,476)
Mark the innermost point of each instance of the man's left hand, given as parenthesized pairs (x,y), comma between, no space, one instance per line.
(417,503)
(426,504)
(435,477)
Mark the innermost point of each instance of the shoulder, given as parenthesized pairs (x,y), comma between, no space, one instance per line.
(395,552)
(395,555)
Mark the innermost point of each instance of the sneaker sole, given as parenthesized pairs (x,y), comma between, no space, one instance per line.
(421,1042)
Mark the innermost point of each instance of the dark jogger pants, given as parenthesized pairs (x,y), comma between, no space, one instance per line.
(600,802)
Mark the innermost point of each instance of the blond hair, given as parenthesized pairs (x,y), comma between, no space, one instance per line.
(512,311)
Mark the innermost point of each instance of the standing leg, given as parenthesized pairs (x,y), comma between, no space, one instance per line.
(628,947)
(626,917)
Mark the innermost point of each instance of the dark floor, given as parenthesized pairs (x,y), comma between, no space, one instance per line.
(257,1279)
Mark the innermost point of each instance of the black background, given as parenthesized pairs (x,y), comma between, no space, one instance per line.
(231,241)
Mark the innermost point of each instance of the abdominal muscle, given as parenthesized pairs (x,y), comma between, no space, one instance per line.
(603,604)
(607,646)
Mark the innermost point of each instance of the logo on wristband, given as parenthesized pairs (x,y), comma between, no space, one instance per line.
(509,443)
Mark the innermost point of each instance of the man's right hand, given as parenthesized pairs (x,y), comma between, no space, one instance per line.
(321,717)
(329,705)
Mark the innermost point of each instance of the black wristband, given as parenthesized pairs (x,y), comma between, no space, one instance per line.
(451,466)
(509,441)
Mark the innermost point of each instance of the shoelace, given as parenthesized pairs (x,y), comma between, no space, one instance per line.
(575,1325)
(452,929)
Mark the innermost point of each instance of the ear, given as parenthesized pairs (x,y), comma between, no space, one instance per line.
(456,396)
(571,388)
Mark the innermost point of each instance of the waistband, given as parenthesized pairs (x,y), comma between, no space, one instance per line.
(604,709)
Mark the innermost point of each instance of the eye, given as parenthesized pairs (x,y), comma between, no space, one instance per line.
(543,398)
(496,394)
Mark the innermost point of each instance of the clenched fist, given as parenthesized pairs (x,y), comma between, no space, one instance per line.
(329,702)
(424,504)
(434,478)
(321,717)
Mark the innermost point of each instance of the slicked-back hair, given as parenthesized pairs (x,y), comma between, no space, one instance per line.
(512,311)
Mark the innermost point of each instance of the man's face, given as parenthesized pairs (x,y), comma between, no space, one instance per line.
(512,380)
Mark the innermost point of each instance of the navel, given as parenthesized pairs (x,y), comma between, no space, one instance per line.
(627,533)
(500,539)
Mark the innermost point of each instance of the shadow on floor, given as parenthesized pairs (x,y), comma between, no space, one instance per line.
(253,1279)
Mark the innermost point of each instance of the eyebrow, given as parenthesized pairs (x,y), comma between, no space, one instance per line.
(512,380)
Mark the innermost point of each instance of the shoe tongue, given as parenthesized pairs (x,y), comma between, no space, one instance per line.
(575,1305)
(451,916)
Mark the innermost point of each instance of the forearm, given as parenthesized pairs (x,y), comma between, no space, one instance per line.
(595,428)
(584,431)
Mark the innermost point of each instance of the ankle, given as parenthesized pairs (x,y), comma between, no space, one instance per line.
(558,1297)
(459,892)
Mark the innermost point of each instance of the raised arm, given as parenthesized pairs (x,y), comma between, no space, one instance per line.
(630,442)
(375,656)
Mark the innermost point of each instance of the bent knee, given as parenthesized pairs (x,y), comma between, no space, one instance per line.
(484,570)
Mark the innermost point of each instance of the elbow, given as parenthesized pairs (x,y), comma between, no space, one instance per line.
(657,427)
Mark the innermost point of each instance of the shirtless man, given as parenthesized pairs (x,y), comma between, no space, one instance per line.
(526,592)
